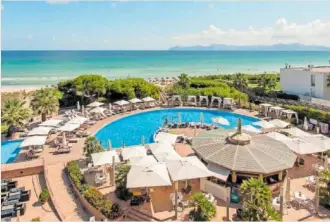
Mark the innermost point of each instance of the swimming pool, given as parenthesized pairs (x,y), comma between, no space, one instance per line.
(130,129)
(10,150)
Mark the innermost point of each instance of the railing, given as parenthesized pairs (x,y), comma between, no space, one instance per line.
(22,165)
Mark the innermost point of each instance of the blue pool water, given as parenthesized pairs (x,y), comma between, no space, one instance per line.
(130,129)
(9,150)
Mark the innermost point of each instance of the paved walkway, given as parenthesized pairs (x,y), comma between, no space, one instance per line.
(68,206)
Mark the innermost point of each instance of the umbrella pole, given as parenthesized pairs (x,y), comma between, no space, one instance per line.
(112,181)
(281,202)
(317,195)
(227,204)
(176,184)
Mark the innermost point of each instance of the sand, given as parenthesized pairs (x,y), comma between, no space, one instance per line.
(8,89)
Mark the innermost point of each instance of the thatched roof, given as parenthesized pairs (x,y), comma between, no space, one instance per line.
(261,154)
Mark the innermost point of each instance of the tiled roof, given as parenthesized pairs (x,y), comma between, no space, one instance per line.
(262,155)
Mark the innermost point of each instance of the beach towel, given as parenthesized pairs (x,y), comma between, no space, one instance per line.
(324,127)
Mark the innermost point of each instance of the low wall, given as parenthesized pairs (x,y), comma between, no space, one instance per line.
(217,190)
(87,206)
(22,169)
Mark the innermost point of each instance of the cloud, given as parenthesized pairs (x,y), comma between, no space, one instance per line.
(316,32)
(113,5)
(60,1)
(29,37)
(53,38)
(211,6)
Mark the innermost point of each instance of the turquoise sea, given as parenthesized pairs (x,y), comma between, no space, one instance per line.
(49,67)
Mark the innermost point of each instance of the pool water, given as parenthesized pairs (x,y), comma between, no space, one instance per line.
(130,129)
(10,150)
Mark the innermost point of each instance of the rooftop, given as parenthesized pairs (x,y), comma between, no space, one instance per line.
(312,69)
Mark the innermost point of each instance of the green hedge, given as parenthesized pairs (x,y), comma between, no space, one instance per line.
(310,113)
(91,194)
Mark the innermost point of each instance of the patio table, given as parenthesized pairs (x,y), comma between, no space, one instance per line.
(299,196)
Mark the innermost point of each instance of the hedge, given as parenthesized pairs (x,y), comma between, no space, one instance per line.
(92,194)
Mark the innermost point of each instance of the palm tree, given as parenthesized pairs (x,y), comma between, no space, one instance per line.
(328,81)
(257,201)
(46,101)
(240,83)
(14,115)
(92,145)
(183,81)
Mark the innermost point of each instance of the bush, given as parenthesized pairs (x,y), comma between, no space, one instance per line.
(309,113)
(287,96)
(75,174)
(203,210)
(44,196)
(36,219)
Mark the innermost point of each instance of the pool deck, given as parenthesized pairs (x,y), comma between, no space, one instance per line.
(52,161)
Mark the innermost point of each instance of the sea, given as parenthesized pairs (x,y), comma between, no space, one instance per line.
(38,68)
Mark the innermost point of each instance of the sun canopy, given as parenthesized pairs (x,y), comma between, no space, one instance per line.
(148,99)
(186,168)
(166,138)
(161,147)
(104,157)
(142,161)
(134,151)
(98,110)
(218,171)
(264,124)
(155,175)
(135,100)
(78,120)
(279,123)
(69,127)
(277,136)
(300,146)
(297,132)
(34,141)
(265,105)
(40,131)
(221,120)
(320,141)
(121,103)
(51,123)
(95,104)
(171,154)
(250,129)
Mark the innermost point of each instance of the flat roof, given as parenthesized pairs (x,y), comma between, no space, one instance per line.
(314,69)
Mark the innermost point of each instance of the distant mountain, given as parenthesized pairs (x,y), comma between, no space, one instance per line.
(276,47)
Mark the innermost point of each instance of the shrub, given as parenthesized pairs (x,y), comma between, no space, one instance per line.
(203,210)
(121,179)
(309,113)
(75,174)
(44,196)
(36,219)
(287,96)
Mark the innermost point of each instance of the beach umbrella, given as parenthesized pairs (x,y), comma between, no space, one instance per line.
(83,109)
(78,106)
(305,123)
(220,120)
(201,117)
(110,106)
(179,118)
(142,139)
(109,145)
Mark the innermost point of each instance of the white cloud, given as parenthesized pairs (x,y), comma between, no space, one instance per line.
(60,1)
(29,36)
(211,6)
(316,32)
(53,38)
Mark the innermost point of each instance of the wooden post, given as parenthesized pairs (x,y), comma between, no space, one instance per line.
(280,176)
(176,184)
(281,201)
(317,195)
(233,177)
(113,172)
(227,204)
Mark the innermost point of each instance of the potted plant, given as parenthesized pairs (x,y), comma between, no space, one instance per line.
(36,219)
(44,196)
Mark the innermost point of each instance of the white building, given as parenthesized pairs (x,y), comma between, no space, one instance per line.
(306,82)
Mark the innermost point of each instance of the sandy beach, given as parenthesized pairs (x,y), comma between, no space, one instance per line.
(8,89)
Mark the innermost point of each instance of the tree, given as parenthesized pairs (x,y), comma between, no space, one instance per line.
(184,81)
(328,81)
(46,101)
(203,210)
(92,145)
(240,82)
(14,115)
(121,180)
(90,86)
(267,81)
(257,201)
(325,188)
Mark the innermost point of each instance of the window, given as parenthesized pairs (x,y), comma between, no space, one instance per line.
(312,80)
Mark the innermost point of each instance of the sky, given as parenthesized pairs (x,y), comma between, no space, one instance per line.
(125,25)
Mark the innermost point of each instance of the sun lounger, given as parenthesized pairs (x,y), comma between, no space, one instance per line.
(63,150)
